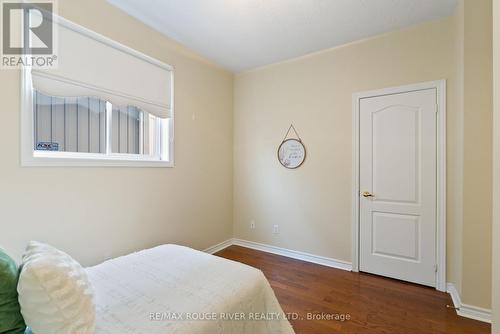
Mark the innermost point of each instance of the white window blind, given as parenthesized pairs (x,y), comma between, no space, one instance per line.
(90,66)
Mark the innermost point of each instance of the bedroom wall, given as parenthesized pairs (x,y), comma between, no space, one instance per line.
(312,204)
(477,160)
(496,170)
(455,231)
(93,213)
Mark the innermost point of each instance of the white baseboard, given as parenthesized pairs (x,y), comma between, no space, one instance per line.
(219,246)
(466,310)
(322,260)
(325,261)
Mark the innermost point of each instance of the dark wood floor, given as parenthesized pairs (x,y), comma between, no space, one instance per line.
(375,304)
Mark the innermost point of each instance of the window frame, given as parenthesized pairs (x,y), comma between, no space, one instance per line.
(32,157)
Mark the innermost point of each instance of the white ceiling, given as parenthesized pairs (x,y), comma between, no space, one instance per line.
(244,34)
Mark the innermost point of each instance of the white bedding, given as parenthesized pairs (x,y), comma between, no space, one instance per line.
(161,290)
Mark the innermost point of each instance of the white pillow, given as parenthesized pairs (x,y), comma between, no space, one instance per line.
(55,293)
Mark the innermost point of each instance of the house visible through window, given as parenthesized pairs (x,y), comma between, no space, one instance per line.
(70,124)
(79,124)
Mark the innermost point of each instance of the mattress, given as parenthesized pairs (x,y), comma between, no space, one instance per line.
(175,289)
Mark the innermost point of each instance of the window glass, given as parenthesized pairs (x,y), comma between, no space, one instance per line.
(134,131)
(69,124)
(78,124)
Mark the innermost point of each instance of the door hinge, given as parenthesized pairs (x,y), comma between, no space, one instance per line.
(435,268)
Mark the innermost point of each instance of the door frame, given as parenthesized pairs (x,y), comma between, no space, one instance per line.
(440,86)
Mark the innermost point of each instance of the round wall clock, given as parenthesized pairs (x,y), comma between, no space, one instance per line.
(291,153)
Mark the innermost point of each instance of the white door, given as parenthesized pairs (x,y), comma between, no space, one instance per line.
(398,185)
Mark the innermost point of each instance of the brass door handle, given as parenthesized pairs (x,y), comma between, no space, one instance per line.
(366,194)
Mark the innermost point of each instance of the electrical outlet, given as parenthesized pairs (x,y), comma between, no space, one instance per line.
(276,229)
(252,224)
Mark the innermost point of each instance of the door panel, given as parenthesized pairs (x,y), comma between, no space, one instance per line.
(404,232)
(395,143)
(398,167)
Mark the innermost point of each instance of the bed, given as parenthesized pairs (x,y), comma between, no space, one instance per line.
(175,289)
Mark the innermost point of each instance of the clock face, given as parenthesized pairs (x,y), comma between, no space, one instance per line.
(291,153)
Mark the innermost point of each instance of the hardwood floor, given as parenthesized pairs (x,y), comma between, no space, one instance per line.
(375,304)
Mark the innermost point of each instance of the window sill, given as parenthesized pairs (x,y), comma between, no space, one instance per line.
(68,159)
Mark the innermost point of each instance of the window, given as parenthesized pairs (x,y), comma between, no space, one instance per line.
(105,105)
(80,124)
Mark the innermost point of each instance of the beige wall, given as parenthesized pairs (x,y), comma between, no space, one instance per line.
(496,170)
(456,173)
(98,212)
(477,168)
(312,204)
